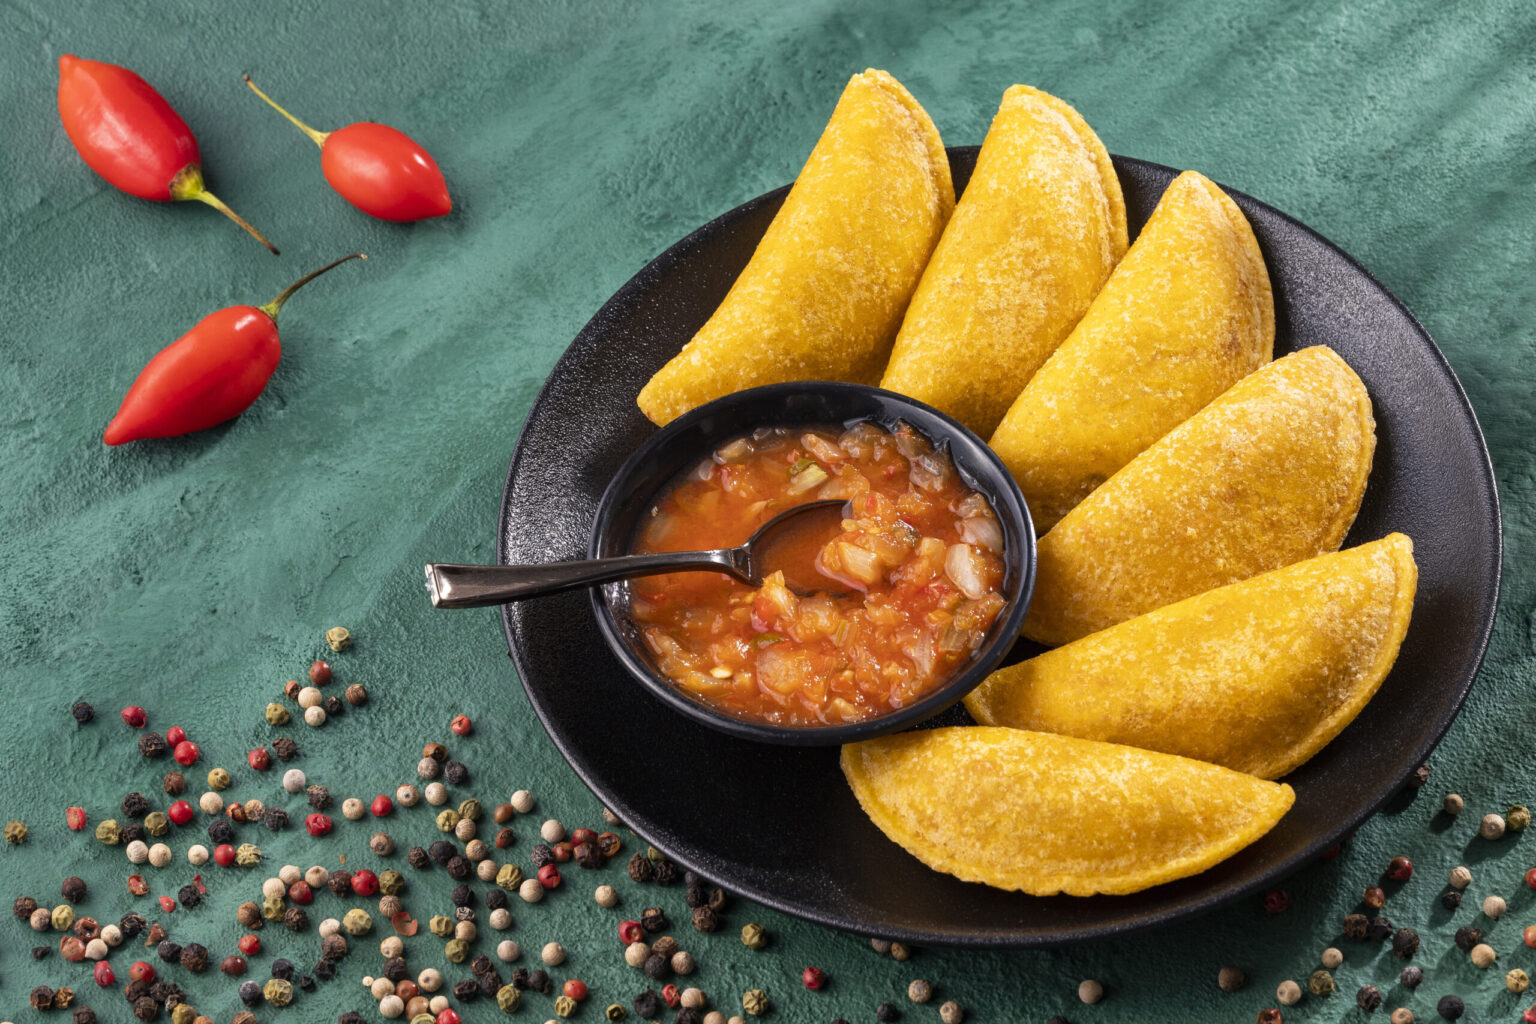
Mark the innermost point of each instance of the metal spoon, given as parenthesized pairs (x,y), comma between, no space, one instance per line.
(780,544)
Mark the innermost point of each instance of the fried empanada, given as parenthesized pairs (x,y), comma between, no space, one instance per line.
(1269,473)
(1051,814)
(825,290)
(1187,314)
(1036,233)
(1258,675)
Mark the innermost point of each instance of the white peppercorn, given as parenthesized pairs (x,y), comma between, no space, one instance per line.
(465,930)
(436,793)
(522,801)
(273,888)
(314,716)
(210,803)
(1332,958)
(1288,993)
(1492,826)
(464,829)
(112,935)
(1460,877)
(692,999)
(381,987)
(288,874)
(1090,991)
(500,919)
(159,855)
(41,919)
(330,926)
(682,962)
(508,950)
(310,697)
(531,890)
(486,870)
(552,831)
(429,980)
(476,850)
(635,954)
(353,809)
(407,795)
(137,851)
(919,991)
(714,1017)
(392,947)
(317,877)
(552,954)
(950,1013)
(294,780)
(900,951)
(96,949)
(1230,979)
(428,768)
(1483,955)
(606,896)
(437,1004)
(1454,803)
(381,843)
(391,1006)
(1494,907)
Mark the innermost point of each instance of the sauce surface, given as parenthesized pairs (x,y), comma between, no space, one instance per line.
(909,585)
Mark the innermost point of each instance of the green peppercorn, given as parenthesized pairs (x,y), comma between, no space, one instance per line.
(508,998)
(357,922)
(277,714)
(248,855)
(755,1002)
(1517,818)
(218,779)
(272,908)
(1321,983)
(391,882)
(509,877)
(15,833)
(109,832)
(156,823)
(339,638)
(471,809)
(447,818)
(440,925)
(63,917)
(754,936)
(278,992)
(564,1006)
(456,951)
(615,1011)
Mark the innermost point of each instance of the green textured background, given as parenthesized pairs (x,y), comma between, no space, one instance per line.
(580,139)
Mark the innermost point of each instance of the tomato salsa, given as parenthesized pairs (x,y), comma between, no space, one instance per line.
(912,582)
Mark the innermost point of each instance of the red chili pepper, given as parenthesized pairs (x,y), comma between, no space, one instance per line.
(378,169)
(208,375)
(127,133)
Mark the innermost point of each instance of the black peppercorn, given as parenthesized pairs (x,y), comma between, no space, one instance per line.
(665,946)
(665,872)
(131,925)
(194,957)
(174,783)
(588,856)
(73,889)
(147,1009)
(282,968)
(307,984)
(333,706)
(333,946)
(83,1015)
(250,993)
(284,748)
(489,984)
(325,969)
(188,896)
(705,920)
(23,907)
(83,712)
(133,830)
(340,883)
(443,851)
(1450,899)
(657,968)
(887,1012)
(135,805)
(688,1015)
(350,1017)
(1368,998)
(455,774)
(461,896)
(1450,1007)
(1411,976)
(319,797)
(463,913)
(716,899)
(1420,777)
(519,977)
(152,744)
(135,990)
(495,899)
(1355,926)
(38,952)
(275,818)
(466,989)
(1405,943)
(505,838)
(1379,929)
(169,951)
(647,1004)
(1467,937)
(538,980)
(653,920)
(416,857)
(459,867)
(220,831)
(541,855)
(395,969)
(295,920)
(697,896)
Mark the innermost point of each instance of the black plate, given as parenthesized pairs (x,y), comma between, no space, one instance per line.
(779,824)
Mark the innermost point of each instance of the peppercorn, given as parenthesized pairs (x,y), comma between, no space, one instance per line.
(108,833)
(324,969)
(285,748)
(135,805)
(1450,899)
(704,919)
(357,921)
(382,844)
(1288,993)
(1230,979)
(295,919)
(1492,826)
(276,714)
(1450,1007)
(665,872)
(278,992)
(615,1012)
(755,1002)
(157,823)
(333,706)
(84,1015)
(1270,1016)
(152,744)
(1517,981)
(42,998)
(883,1012)
(1467,937)
(647,1004)
(455,774)
(169,951)
(340,882)
(1368,998)
(1355,926)
(666,946)
(62,918)
(538,980)
(1320,983)
(1483,956)
(248,855)
(1379,929)
(1375,897)
(459,868)
(657,967)
(588,856)
(131,925)
(134,832)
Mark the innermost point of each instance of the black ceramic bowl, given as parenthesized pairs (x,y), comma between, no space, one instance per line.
(680,445)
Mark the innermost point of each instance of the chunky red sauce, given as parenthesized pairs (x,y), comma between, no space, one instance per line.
(913,580)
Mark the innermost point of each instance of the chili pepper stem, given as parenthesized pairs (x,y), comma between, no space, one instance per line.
(271,308)
(188,184)
(319,137)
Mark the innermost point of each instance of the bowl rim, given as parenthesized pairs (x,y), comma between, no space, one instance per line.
(983,470)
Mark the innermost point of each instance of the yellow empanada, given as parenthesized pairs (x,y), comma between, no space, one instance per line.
(824,292)
(1268,474)
(1039,228)
(1187,314)
(1258,675)
(1047,814)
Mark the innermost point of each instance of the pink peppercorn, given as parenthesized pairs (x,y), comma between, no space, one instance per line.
(582,835)
(141,971)
(135,716)
(563,851)
(137,886)
(813,978)
(180,812)
(1529,1016)
(382,806)
(259,759)
(575,988)
(250,944)
(175,734)
(447,1016)
(1277,901)
(549,876)
(74,817)
(1400,869)
(186,753)
(300,893)
(1530,878)
(1529,935)
(318,825)
(630,932)
(320,673)
(168,904)
(462,726)
(103,974)
(223,855)
(365,882)
(670,995)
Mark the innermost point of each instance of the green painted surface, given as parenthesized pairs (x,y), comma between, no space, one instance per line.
(579,140)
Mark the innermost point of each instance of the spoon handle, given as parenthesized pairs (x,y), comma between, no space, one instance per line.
(473,586)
